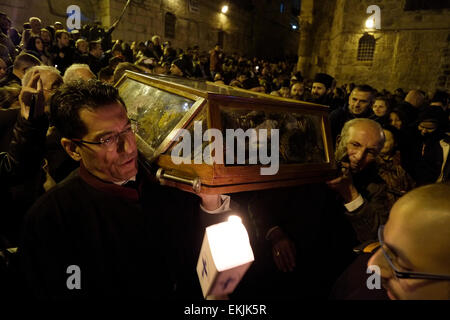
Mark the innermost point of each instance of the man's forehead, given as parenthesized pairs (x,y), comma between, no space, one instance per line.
(359,93)
(365,131)
(49,77)
(318,84)
(111,113)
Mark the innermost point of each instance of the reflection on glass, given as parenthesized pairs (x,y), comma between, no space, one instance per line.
(300,135)
(156,111)
(196,152)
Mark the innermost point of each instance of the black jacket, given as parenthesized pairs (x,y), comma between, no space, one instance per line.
(141,241)
(20,164)
(341,115)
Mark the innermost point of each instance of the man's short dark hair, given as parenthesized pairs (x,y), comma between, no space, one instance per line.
(25,58)
(366,88)
(122,67)
(71,98)
(386,101)
(93,45)
(105,73)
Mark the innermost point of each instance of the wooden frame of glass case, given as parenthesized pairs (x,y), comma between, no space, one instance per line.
(163,104)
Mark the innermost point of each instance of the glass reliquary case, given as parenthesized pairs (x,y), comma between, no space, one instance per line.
(218,139)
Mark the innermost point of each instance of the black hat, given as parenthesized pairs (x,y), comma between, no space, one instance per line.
(324,78)
(433,114)
(440,96)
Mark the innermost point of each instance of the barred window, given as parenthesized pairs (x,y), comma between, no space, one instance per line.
(193,6)
(169,25)
(366,47)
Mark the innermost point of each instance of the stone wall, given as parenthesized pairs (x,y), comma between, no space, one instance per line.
(48,11)
(259,32)
(412,47)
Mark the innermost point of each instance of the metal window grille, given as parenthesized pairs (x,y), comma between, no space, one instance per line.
(366,48)
(193,6)
(169,25)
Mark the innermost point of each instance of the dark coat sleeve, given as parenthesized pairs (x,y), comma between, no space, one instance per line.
(42,251)
(373,213)
(26,150)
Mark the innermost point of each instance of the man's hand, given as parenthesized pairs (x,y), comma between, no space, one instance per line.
(283,251)
(31,98)
(210,202)
(344,184)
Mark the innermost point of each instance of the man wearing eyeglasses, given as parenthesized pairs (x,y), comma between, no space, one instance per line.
(127,235)
(414,254)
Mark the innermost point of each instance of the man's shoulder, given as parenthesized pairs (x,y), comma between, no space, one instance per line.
(339,112)
(61,193)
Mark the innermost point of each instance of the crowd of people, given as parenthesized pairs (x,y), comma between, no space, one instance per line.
(74,192)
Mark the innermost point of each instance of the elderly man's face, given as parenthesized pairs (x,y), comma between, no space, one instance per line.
(363,145)
(359,101)
(411,246)
(51,81)
(114,163)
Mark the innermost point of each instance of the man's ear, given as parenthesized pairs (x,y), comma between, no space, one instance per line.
(71,148)
(338,139)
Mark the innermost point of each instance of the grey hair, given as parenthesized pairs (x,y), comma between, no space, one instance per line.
(71,72)
(341,148)
(26,78)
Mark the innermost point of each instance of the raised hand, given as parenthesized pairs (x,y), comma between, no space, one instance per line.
(31,98)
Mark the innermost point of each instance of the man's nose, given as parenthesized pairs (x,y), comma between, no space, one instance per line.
(127,143)
(359,154)
(379,260)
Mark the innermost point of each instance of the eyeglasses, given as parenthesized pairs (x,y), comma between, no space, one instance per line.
(110,141)
(405,274)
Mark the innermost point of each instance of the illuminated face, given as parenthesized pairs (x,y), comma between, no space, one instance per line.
(318,90)
(379,108)
(395,120)
(64,40)
(297,90)
(115,164)
(426,127)
(97,51)
(39,44)
(359,101)
(362,146)
(284,92)
(83,46)
(45,36)
(411,248)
